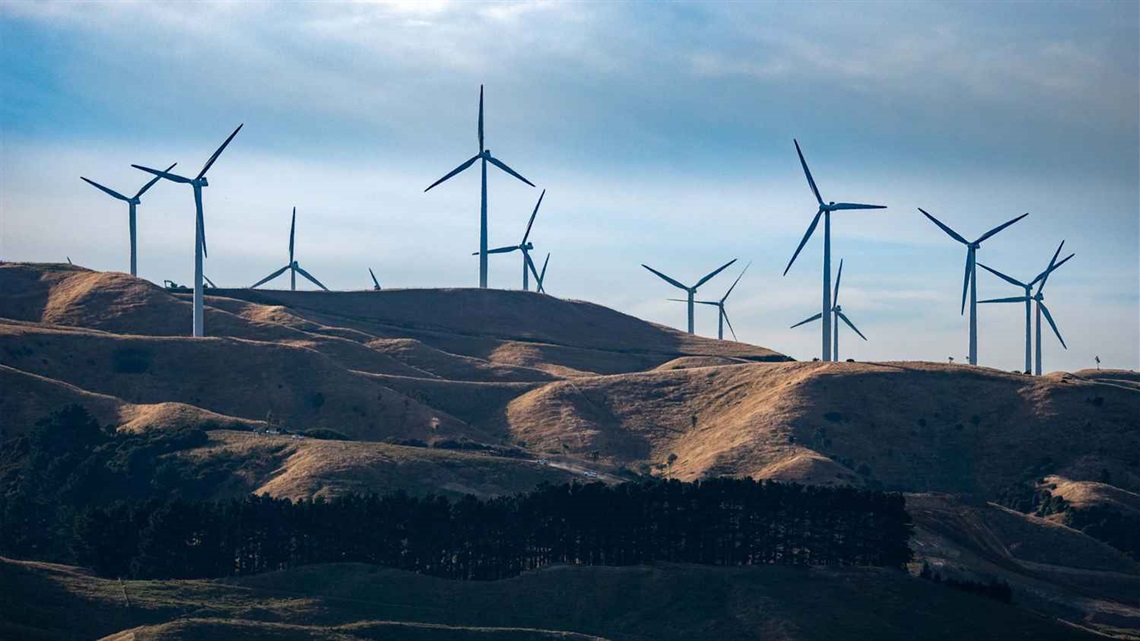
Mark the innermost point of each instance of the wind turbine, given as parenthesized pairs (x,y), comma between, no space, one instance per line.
(825,210)
(690,290)
(837,312)
(132,203)
(970,280)
(524,247)
(541,277)
(375,283)
(484,155)
(293,266)
(1028,298)
(722,315)
(198,182)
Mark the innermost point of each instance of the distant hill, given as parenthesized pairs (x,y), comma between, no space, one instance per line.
(465,391)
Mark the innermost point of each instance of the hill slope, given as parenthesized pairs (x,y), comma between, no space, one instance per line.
(483,383)
(661,602)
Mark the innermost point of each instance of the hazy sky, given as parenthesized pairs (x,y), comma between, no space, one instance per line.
(663,133)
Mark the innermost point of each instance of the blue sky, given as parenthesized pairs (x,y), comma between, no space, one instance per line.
(663,133)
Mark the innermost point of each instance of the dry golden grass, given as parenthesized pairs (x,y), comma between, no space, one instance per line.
(906,426)
(287,467)
(1084,494)
(567,379)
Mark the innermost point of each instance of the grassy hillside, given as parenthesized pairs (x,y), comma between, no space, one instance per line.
(901,426)
(588,389)
(618,603)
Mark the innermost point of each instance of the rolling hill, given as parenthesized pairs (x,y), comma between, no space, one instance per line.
(464,391)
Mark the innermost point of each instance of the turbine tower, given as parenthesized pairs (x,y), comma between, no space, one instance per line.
(198,182)
(825,210)
(690,290)
(970,280)
(1028,299)
(837,313)
(132,203)
(293,266)
(484,155)
(524,247)
(722,314)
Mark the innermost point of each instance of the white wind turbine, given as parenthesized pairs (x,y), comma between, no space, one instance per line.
(132,203)
(690,290)
(837,312)
(722,314)
(484,155)
(825,210)
(293,266)
(524,247)
(198,182)
(970,280)
(1028,299)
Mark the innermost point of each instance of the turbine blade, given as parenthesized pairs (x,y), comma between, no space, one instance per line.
(665,278)
(839,206)
(500,250)
(292,233)
(713,273)
(1002,276)
(458,169)
(164,174)
(209,282)
(807,172)
(269,277)
(501,165)
(210,162)
(542,275)
(844,318)
(807,320)
(1010,299)
(1052,269)
(106,190)
(530,265)
(699,302)
(838,279)
(725,297)
(810,231)
(953,234)
(1052,262)
(1049,317)
(728,322)
(152,181)
(480,118)
(1000,227)
(373,275)
(533,214)
(966,279)
(310,277)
